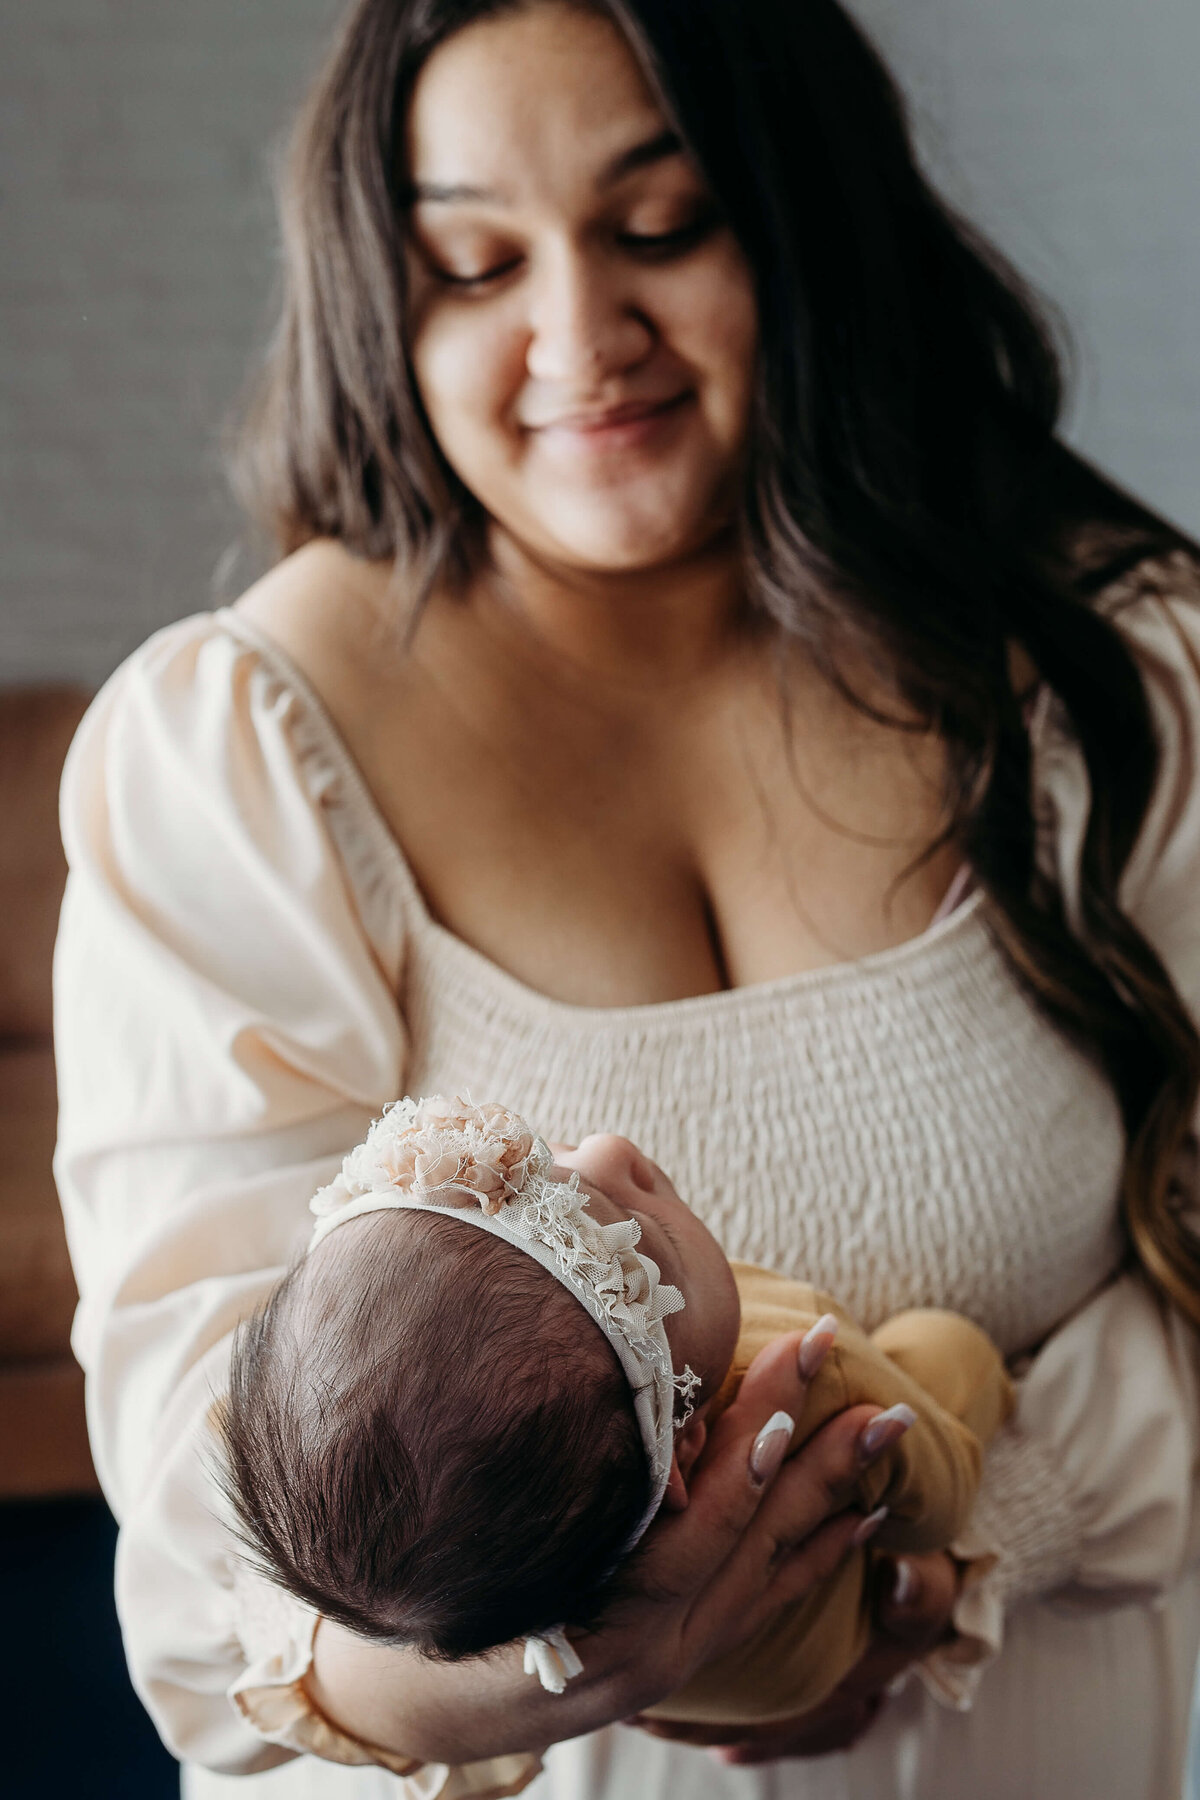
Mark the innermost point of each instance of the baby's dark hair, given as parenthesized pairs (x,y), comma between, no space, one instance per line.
(428,1439)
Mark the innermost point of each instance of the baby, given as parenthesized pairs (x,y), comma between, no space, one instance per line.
(454,1438)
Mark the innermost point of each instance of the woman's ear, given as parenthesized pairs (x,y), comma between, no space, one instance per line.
(688,1445)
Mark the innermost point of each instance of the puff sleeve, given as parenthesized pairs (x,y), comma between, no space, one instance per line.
(226,1028)
(1089,1494)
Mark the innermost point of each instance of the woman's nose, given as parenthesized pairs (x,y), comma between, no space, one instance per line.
(582,326)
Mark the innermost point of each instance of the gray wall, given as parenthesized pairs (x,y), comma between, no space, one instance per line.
(137,257)
(1070,130)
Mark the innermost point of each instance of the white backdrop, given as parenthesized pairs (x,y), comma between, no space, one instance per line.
(137,253)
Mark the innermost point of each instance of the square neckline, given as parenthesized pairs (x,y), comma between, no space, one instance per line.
(327,739)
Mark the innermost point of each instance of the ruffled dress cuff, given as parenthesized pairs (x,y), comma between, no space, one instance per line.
(1024,1538)
(1088,1495)
(272,1698)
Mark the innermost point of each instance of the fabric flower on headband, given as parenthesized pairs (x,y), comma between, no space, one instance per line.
(434,1149)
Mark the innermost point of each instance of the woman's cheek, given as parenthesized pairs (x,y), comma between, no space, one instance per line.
(468,370)
(716,332)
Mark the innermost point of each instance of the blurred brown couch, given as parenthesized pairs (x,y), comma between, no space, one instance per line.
(43,1443)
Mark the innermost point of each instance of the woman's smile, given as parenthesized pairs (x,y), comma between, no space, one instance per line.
(640,425)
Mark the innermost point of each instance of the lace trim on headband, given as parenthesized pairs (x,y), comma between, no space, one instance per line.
(686,1386)
(451,1154)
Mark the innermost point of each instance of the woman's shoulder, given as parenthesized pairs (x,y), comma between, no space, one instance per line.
(1152,597)
(1153,600)
(1131,568)
(294,629)
(210,734)
(331,614)
(178,715)
(1156,607)
(317,609)
(1147,585)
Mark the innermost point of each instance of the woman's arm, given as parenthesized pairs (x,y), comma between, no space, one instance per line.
(1092,1482)
(225,1030)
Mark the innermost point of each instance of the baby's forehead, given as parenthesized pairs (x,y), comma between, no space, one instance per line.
(408,1244)
(397,1231)
(403,1256)
(362,1247)
(335,1269)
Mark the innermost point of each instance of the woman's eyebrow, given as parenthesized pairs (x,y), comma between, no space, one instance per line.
(639,156)
(651,150)
(445,193)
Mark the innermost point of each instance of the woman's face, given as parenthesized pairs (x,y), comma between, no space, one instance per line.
(583,322)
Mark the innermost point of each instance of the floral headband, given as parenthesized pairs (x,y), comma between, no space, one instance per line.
(484,1165)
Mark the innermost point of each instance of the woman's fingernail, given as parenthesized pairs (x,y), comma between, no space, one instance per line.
(904,1587)
(884,1430)
(867,1527)
(815,1345)
(770,1446)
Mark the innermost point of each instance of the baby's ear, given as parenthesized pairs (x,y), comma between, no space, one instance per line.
(688,1445)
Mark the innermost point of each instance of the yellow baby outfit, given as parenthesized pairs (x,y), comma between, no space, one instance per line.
(952,1376)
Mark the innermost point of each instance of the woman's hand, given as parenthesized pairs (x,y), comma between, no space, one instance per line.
(754,1537)
(912,1615)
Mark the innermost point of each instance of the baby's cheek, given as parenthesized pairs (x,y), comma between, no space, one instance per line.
(690,1443)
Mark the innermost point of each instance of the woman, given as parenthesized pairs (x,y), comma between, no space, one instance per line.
(685,602)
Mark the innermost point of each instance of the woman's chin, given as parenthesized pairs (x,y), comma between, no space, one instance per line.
(620,545)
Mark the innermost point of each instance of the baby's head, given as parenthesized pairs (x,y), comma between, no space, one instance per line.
(428,1435)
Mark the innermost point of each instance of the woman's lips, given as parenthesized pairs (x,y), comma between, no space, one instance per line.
(621,427)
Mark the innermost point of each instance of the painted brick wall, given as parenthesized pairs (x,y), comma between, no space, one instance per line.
(137,255)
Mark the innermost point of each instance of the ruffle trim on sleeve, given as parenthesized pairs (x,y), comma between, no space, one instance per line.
(1087,1500)
(952,1672)
(1027,1516)
(1023,1539)
(272,1698)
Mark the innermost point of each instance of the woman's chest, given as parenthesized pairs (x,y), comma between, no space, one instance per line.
(615,842)
(608,858)
(907,1132)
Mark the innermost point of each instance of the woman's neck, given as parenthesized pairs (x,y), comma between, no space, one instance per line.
(642,628)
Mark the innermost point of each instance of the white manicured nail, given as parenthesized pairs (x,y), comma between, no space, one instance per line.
(770,1446)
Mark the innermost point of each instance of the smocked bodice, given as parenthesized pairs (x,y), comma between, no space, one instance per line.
(904,1130)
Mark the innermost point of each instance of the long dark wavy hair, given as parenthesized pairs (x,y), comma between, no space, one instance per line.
(906,497)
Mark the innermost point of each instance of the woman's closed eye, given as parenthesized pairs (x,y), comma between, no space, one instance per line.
(670,243)
(483,279)
(652,246)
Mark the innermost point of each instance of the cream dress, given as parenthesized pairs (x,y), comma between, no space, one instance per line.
(246,973)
